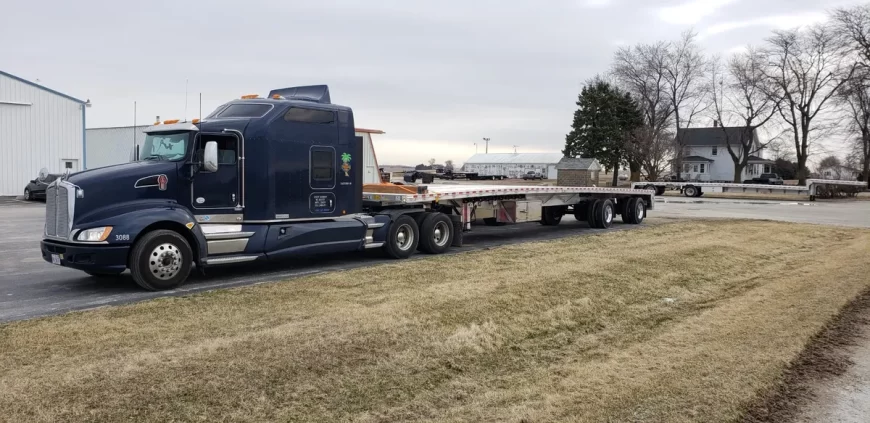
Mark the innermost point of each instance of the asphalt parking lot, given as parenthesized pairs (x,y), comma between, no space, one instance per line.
(30,287)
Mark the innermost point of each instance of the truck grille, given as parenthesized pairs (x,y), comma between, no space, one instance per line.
(57,210)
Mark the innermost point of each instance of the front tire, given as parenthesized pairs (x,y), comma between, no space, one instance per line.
(161,260)
(402,238)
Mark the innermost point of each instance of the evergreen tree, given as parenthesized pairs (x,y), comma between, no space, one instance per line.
(604,123)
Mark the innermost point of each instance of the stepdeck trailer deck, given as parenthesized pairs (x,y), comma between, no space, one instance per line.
(514,204)
(697,189)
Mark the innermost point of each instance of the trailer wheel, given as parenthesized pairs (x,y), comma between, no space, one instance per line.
(604,214)
(690,191)
(457,231)
(581,212)
(161,260)
(551,216)
(402,238)
(591,215)
(436,233)
(660,190)
(636,211)
(650,187)
(629,210)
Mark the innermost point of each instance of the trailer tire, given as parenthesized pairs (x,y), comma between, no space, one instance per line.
(161,260)
(660,190)
(403,237)
(458,236)
(636,211)
(551,216)
(629,210)
(690,191)
(591,215)
(436,233)
(491,221)
(604,213)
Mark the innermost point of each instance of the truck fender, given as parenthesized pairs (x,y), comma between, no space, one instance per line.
(128,227)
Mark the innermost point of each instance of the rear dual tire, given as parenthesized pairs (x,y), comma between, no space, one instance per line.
(432,233)
(635,211)
(600,214)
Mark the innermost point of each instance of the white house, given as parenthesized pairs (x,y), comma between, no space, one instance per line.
(513,165)
(706,157)
(840,173)
(39,128)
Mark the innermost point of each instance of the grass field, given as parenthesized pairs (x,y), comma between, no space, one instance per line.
(679,322)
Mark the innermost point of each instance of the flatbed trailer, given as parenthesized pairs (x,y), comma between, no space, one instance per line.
(697,189)
(511,204)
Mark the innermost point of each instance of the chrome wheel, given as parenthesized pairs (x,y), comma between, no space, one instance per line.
(441,234)
(405,237)
(639,210)
(165,261)
(26,195)
(608,214)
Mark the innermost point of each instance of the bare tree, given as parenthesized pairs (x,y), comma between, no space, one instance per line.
(448,165)
(807,68)
(640,70)
(432,163)
(740,97)
(852,26)
(685,70)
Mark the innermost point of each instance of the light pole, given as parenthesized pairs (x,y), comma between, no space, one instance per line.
(486,151)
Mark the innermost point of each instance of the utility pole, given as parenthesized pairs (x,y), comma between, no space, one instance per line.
(515,149)
(475,148)
(487,145)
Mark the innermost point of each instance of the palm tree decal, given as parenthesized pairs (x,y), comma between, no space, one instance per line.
(345,166)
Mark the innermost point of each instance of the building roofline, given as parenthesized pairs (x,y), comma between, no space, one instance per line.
(121,127)
(33,84)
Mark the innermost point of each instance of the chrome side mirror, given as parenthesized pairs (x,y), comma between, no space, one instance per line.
(210,157)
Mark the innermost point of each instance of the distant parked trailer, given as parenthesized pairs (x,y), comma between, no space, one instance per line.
(697,189)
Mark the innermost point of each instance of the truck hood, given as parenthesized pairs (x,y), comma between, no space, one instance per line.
(112,185)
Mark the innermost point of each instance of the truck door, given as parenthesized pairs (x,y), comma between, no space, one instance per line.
(218,190)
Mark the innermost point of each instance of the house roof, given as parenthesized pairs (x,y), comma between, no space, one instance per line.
(696,159)
(573,163)
(33,84)
(714,136)
(515,158)
(756,159)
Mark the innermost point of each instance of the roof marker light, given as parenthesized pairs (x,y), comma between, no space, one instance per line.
(249,96)
(278,97)
(195,121)
(170,121)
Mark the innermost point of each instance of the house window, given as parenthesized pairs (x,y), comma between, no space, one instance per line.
(715,151)
(767,169)
(703,168)
(687,168)
(695,168)
(827,173)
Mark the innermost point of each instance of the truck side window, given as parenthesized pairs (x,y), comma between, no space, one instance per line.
(322,167)
(321,117)
(226,150)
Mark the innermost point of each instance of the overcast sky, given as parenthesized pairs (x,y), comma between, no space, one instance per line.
(436,76)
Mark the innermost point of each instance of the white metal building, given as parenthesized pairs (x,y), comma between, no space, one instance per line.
(110,146)
(513,165)
(39,128)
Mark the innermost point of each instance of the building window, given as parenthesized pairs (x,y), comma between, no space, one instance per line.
(767,169)
(703,168)
(827,173)
(687,168)
(715,151)
(695,168)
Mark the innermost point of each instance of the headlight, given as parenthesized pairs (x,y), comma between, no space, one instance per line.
(80,193)
(94,234)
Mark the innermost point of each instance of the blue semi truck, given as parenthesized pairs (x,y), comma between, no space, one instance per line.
(272,178)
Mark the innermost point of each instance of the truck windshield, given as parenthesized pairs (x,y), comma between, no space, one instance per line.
(165,146)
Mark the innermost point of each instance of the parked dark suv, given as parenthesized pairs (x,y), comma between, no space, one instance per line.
(35,190)
(766,179)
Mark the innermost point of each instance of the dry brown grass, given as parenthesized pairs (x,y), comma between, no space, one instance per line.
(674,322)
